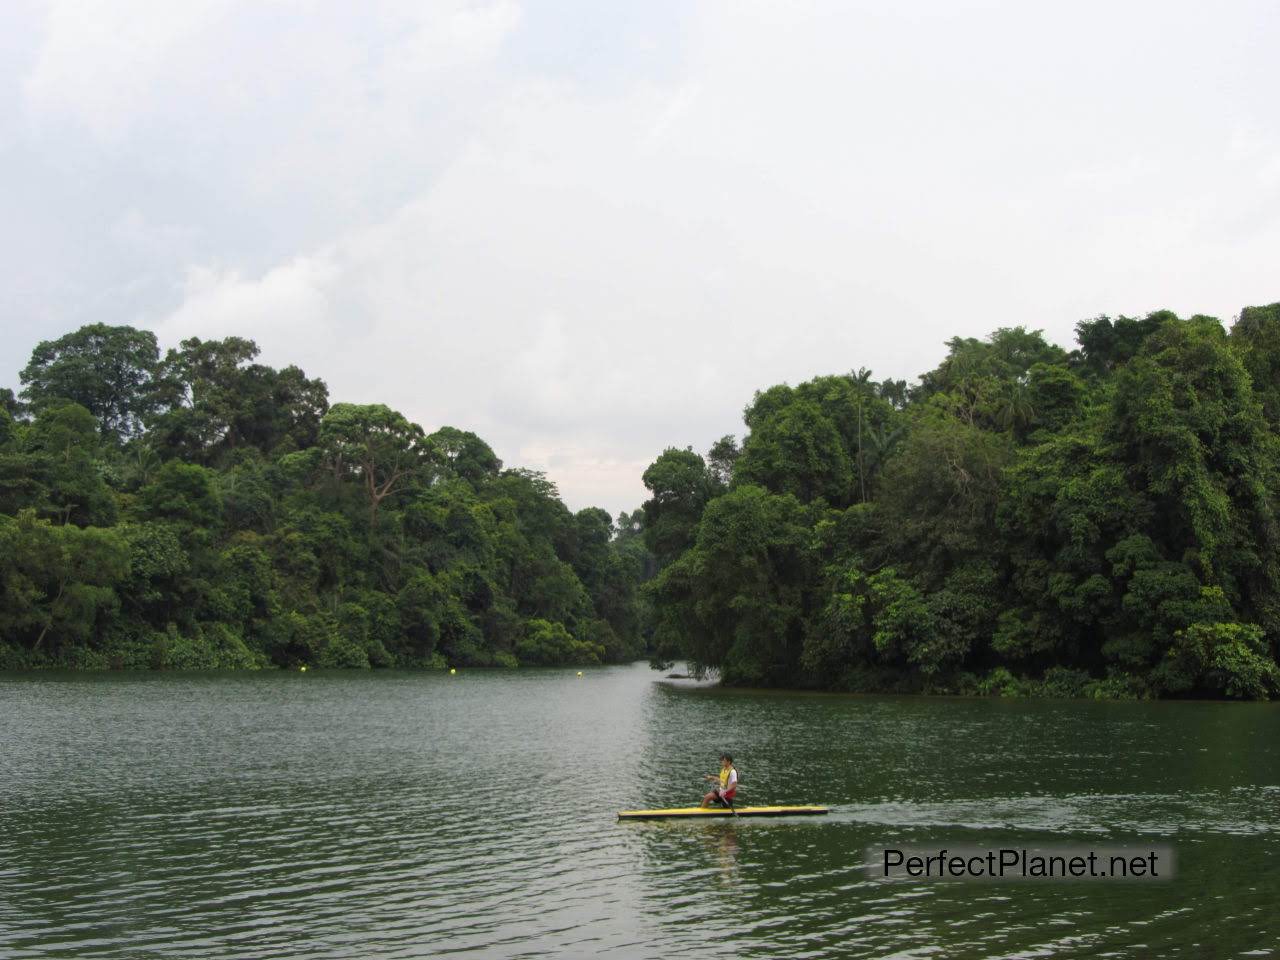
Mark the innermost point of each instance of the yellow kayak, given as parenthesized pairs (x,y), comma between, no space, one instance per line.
(670,812)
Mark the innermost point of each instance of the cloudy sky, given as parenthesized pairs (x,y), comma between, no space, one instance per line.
(590,230)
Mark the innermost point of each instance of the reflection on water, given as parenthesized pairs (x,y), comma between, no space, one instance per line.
(412,815)
(727,854)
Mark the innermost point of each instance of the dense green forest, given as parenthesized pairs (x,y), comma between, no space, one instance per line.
(201,510)
(1023,520)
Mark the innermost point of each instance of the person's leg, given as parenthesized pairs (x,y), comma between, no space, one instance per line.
(706,801)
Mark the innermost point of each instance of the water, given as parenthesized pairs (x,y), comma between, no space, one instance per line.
(413,815)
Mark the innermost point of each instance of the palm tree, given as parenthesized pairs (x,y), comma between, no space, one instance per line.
(1016,411)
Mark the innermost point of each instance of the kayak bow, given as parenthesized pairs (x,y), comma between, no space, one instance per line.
(674,812)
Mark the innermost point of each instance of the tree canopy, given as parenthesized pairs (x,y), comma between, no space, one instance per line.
(205,510)
(1024,519)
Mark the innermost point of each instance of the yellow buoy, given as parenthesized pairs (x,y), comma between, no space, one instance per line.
(303,668)
(579,673)
(452,671)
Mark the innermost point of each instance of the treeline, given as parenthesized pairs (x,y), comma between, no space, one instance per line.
(1023,520)
(201,511)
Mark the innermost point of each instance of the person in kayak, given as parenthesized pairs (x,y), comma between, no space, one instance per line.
(726,786)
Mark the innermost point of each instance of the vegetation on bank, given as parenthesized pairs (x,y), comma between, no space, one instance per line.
(201,510)
(1023,520)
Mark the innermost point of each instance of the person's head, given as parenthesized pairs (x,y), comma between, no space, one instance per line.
(726,760)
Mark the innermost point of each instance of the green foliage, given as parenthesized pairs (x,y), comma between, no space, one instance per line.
(213,401)
(547,643)
(63,445)
(827,438)
(1101,520)
(182,493)
(1187,425)
(885,619)
(1106,345)
(464,455)
(59,582)
(205,511)
(376,445)
(722,458)
(1230,659)
(209,647)
(1256,338)
(1023,521)
(1000,683)
(1065,682)
(680,485)
(106,370)
(798,450)
(733,601)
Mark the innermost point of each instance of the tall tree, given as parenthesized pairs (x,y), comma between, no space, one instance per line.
(217,401)
(58,581)
(465,455)
(721,459)
(107,370)
(680,486)
(378,445)
(1256,337)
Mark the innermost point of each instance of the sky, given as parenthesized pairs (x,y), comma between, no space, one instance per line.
(589,231)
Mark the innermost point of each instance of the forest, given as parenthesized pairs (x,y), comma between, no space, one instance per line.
(200,510)
(1023,520)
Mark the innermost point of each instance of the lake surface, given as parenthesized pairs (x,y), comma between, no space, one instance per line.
(411,815)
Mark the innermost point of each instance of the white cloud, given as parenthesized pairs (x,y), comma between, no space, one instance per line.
(101,59)
(587,237)
(289,303)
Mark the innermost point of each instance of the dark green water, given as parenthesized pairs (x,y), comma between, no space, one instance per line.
(410,815)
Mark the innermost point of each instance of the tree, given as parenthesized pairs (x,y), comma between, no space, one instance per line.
(1106,345)
(216,401)
(58,581)
(736,602)
(465,455)
(547,642)
(1054,397)
(1186,420)
(376,444)
(107,370)
(1230,659)
(1022,520)
(184,493)
(680,486)
(1256,338)
(64,441)
(818,439)
(939,496)
(240,553)
(798,450)
(9,404)
(721,458)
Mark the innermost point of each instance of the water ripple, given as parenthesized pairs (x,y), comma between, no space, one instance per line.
(411,815)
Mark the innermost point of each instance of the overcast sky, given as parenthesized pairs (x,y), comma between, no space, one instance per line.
(591,230)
